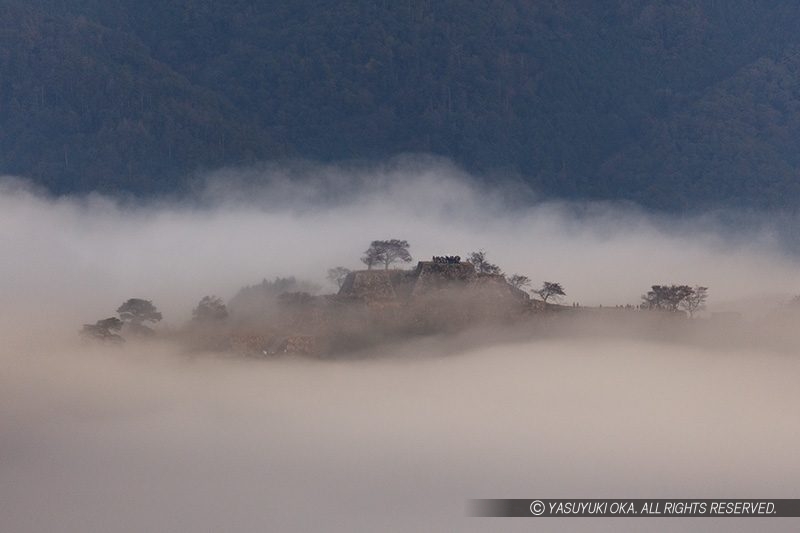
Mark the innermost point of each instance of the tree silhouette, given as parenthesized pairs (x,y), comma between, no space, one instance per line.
(386,252)
(135,312)
(210,309)
(695,301)
(371,258)
(551,290)
(103,330)
(667,297)
(481,264)
(519,281)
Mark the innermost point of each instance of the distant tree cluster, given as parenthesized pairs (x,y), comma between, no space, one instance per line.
(675,298)
(133,314)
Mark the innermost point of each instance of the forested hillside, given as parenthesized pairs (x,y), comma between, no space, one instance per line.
(676,105)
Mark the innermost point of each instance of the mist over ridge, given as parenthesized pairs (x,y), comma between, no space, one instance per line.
(347,266)
(246,225)
(148,435)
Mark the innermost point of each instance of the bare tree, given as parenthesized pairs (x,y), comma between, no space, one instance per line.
(386,252)
(519,281)
(210,309)
(694,301)
(551,290)
(337,275)
(481,264)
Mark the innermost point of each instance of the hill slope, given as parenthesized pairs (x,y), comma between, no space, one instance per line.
(674,105)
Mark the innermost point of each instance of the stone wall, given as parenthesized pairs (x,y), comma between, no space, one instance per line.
(427,279)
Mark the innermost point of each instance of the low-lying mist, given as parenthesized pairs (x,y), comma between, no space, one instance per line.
(150,437)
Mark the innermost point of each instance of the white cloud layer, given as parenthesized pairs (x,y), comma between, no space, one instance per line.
(145,439)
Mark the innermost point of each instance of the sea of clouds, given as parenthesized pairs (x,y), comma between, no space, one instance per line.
(148,438)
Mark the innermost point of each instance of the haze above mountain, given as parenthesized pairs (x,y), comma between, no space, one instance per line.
(674,105)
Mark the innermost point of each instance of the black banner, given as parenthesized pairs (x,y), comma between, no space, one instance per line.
(640,508)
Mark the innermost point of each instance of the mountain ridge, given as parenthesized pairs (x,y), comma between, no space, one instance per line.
(675,106)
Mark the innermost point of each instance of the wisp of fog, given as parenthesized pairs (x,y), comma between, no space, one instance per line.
(146,437)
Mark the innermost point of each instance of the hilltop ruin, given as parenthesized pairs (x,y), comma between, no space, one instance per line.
(442,295)
(427,279)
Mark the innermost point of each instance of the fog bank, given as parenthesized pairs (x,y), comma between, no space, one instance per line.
(243,226)
(147,437)
(144,440)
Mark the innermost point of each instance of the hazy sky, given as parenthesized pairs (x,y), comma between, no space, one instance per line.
(145,438)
